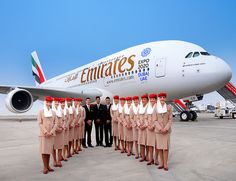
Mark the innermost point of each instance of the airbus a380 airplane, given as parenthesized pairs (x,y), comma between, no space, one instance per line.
(179,68)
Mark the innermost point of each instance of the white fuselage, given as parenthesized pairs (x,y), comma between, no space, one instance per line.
(149,68)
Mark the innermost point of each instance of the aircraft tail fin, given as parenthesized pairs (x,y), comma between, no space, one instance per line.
(37,69)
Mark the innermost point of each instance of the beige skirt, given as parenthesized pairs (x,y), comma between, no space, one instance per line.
(59,141)
(66,137)
(115,129)
(46,144)
(71,134)
(142,137)
(121,131)
(76,133)
(125,132)
(163,141)
(135,134)
(81,132)
(129,135)
(151,138)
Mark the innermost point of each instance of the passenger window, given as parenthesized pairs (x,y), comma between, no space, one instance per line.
(196,54)
(189,55)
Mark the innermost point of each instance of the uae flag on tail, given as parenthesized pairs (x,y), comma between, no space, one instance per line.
(37,69)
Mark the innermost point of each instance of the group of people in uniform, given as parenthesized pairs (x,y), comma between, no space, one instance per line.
(144,124)
(65,125)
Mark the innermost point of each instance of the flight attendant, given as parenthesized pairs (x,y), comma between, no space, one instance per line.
(47,122)
(65,118)
(121,122)
(114,115)
(151,119)
(128,125)
(135,108)
(81,112)
(58,144)
(71,125)
(163,129)
(142,125)
(76,125)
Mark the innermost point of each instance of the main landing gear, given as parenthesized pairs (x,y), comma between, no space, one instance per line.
(188,115)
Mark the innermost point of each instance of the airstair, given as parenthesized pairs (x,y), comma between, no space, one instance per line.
(179,105)
(229,93)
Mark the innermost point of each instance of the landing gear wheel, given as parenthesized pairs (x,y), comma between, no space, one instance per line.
(194,115)
(233,116)
(185,116)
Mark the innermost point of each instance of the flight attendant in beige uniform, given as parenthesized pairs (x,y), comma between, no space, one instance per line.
(76,125)
(114,114)
(121,122)
(142,125)
(47,122)
(151,119)
(163,129)
(128,125)
(81,112)
(71,126)
(65,115)
(135,107)
(58,143)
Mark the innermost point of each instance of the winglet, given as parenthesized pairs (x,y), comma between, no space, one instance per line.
(37,69)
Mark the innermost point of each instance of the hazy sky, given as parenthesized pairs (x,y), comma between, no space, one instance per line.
(68,34)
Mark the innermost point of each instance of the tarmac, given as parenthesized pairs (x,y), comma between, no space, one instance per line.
(201,150)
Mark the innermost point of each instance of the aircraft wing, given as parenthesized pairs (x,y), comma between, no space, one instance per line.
(41,92)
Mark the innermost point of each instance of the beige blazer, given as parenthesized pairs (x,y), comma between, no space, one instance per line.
(82,116)
(47,124)
(164,120)
(66,120)
(114,115)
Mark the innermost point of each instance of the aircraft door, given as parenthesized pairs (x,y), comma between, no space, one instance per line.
(160,67)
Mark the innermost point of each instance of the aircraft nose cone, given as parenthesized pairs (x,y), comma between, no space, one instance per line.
(223,71)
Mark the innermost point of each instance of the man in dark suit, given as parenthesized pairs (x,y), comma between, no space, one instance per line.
(98,110)
(88,123)
(107,124)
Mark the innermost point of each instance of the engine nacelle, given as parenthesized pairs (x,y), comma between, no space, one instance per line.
(19,101)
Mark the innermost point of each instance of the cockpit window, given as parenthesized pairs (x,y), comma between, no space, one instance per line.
(189,55)
(196,54)
(205,53)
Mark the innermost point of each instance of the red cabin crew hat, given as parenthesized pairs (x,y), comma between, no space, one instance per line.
(56,99)
(116,97)
(75,99)
(80,99)
(135,98)
(162,94)
(48,99)
(152,96)
(122,99)
(68,99)
(62,100)
(128,98)
(144,96)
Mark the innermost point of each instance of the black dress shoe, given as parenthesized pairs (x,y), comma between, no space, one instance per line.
(91,146)
(84,146)
(101,144)
(97,144)
(106,146)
